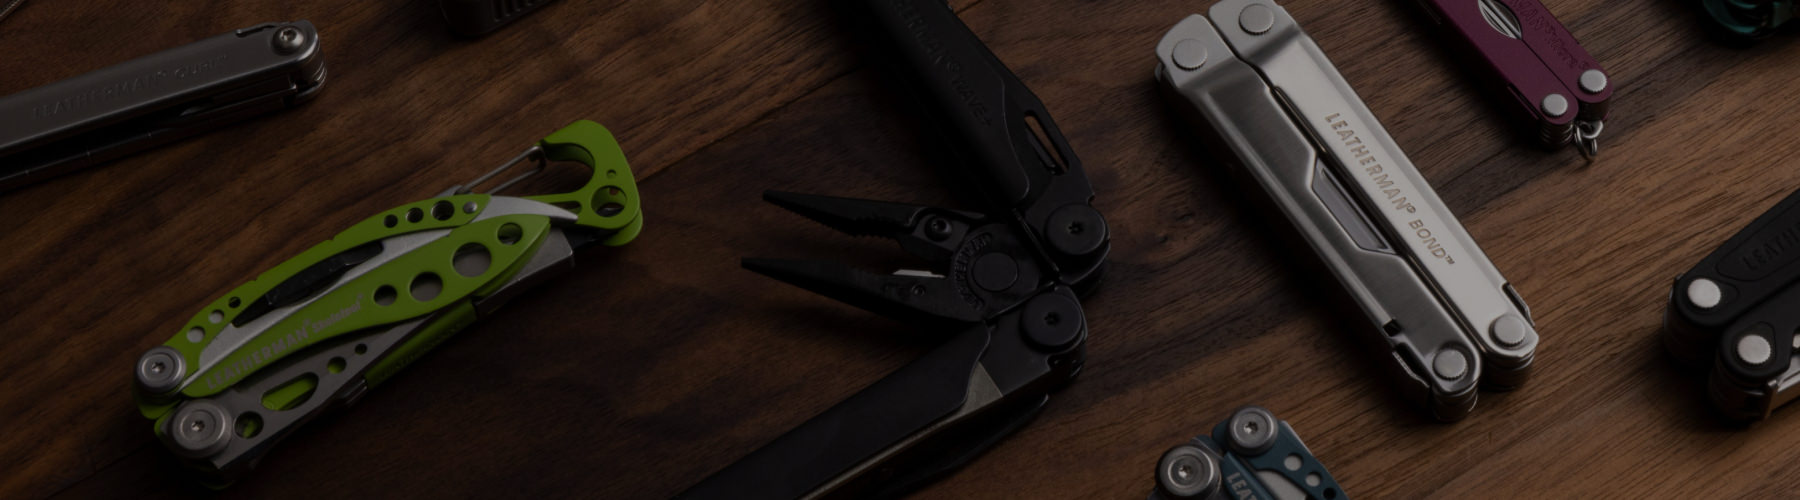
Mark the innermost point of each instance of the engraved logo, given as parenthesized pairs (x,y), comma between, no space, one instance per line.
(123,88)
(281,345)
(962,263)
(1758,257)
(1537,18)
(934,50)
(1239,487)
(1372,169)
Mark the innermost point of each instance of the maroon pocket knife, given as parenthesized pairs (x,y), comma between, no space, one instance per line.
(1538,63)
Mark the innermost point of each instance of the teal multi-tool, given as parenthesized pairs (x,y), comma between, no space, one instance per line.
(320,329)
(1749,19)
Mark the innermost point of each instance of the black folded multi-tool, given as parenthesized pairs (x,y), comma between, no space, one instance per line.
(479,17)
(1261,92)
(1250,455)
(1735,311)
(156,99)
(1003,289)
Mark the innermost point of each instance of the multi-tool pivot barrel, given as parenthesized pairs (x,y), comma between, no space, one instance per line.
(318,330)
(1261,92)
(1249,455)
(156,99)
(1534,62)
(1749,19)
(1736,311)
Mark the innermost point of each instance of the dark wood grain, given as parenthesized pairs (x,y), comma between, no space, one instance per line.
(652,365)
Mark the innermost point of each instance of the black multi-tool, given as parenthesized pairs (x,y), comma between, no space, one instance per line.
(1003,289)
(478,17)
(156,99)
(1251,455)
(1735,311)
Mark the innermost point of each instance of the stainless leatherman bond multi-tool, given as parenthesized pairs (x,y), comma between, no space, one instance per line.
(1250,455)
(317,331)
(1735,312)
(156,99)
(1262,93)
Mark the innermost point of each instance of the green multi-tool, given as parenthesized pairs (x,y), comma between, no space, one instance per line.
(320,329)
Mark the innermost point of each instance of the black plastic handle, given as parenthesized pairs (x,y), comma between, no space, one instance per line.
(829,446)
(986,111)
(1005,140)
(1754,265)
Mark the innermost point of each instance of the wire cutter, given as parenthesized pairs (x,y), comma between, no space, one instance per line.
(320,329)
(1249,455)
(1003,288)
(1735,313)
(156,99)
(1531,59)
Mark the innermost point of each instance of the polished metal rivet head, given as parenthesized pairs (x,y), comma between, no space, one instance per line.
(1593,81)
(1555,105)
(1754,349)
(1509,330)
(160,370)
(1188,471)
(199,429)
(289,39)
(1189,54)
(1252,431)
(1450,364)
(1704,293)
(1256,19)
(938,229)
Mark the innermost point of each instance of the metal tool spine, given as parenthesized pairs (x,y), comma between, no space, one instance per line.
(156,99)
(1264,96)
(1531,60)
(1251,454)
(1734,315)
(1003,288)
(317,331)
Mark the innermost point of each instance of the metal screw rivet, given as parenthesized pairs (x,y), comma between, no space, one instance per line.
(1704,293)
(1754,349)
(1256,19)
(1555,105)
(1450,364)
(289,39)
(1593,81)
(1189,54)
(1509,330)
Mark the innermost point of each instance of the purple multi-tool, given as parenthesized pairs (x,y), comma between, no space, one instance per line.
(1537,62)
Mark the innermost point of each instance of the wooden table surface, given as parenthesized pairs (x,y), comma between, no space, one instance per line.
(653,365)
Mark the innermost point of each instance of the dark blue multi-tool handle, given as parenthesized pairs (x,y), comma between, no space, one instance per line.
(1249,455)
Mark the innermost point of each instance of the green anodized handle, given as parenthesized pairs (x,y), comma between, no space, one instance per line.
(414,282)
